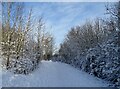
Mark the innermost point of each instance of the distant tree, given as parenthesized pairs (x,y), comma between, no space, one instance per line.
(48,46)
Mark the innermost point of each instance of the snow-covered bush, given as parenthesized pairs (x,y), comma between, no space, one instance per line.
(103,61)
(22,66)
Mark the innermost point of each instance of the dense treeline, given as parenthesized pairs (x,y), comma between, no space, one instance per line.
(20,51)
(94,47)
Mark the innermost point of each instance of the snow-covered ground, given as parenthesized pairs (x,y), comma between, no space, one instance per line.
(0,72)
(52,74)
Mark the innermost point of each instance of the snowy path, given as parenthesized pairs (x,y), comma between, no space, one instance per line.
(52,74)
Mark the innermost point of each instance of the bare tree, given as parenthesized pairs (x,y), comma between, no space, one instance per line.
(40,35)
(7,35)
(13,30)
(48,45)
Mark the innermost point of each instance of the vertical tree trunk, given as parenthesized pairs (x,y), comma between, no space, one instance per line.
(8,58)
(7,65)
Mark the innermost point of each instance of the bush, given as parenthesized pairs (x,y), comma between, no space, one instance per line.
(103,61)
(22,66)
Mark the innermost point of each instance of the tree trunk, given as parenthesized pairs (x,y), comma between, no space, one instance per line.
(7,65)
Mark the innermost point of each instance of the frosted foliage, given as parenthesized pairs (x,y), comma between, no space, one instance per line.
(22,66)
(102,61)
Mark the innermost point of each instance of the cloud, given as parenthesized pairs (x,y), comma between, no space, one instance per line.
(64,15)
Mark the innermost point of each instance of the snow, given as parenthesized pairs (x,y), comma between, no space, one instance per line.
(0,74)
(52,74)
